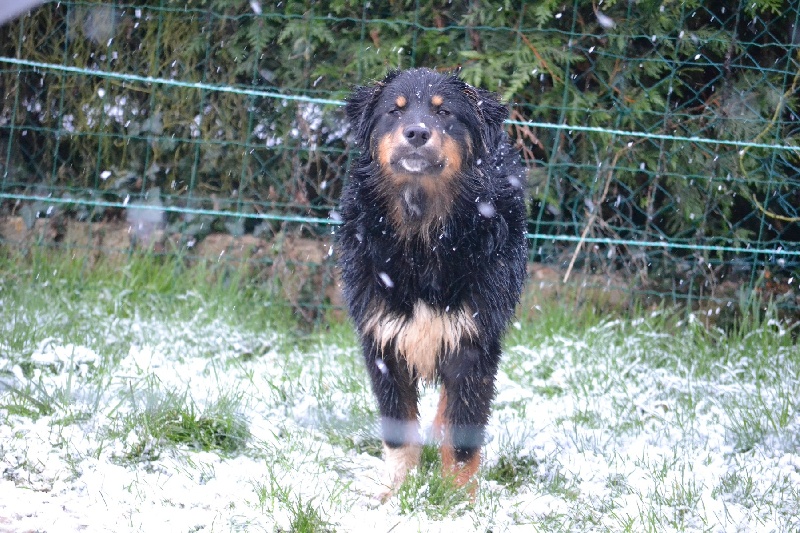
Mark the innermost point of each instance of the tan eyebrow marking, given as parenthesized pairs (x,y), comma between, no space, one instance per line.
(437,100)
(401,101)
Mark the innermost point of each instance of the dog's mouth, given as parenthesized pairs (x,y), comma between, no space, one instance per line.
(417,164)
(413,165)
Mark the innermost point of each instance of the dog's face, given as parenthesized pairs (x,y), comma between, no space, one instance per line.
(421,129)
(425,131)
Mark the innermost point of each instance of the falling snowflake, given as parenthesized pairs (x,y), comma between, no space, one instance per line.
(486,209)
(605,21)
(386,279)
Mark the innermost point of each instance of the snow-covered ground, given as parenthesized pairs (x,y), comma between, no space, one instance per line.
(619,428)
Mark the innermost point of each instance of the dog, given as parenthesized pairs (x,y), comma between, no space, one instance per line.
(432,252)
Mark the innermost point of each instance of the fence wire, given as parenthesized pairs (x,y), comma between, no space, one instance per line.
(661,137)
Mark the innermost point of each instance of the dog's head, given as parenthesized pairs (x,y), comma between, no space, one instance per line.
(424,130)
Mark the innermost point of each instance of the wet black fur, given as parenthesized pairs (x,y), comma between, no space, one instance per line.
(473,259)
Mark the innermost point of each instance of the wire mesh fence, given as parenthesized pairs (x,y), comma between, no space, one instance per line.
(661,137)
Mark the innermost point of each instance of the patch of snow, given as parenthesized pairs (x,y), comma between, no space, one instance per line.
(562,403)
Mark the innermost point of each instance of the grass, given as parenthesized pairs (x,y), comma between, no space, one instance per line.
(306,518)
(647,422)
(156,418)
(513,470)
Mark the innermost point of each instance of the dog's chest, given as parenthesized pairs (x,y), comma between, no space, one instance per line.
(423,337)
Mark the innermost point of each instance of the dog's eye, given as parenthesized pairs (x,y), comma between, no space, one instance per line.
(442,112)
(395,112)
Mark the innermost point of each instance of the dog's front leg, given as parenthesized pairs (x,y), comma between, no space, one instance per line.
(395,388)
(464,408)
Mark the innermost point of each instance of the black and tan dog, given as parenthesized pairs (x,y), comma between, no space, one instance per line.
(432,252)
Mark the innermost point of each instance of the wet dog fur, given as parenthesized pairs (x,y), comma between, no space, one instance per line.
(432,253)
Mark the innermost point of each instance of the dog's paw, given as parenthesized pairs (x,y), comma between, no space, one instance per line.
(398,462)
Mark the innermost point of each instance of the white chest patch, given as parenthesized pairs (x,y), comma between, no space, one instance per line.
(424,337)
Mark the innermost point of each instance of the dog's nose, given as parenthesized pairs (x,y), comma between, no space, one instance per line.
(417,135)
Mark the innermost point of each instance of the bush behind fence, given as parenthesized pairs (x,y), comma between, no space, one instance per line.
(661,137)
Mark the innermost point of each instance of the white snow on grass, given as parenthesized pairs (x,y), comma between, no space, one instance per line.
(618,430)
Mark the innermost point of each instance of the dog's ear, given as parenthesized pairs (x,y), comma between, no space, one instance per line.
(492,113)
(360,104)
(358,108)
